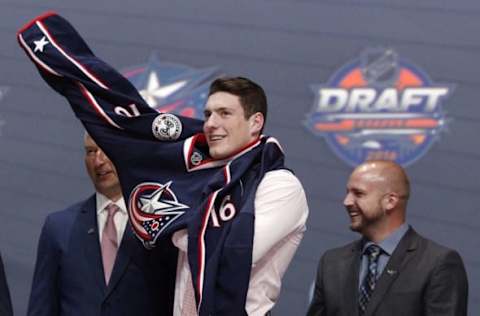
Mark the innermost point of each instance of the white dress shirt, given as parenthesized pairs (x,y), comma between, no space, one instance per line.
(280,215)
(120,218)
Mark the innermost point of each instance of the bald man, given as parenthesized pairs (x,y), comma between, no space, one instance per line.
(391,270)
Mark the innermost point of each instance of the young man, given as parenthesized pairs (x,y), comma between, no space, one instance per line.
(235,113)
(392,270)
(235,213)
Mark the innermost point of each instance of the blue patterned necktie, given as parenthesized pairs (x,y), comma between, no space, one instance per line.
(368,284)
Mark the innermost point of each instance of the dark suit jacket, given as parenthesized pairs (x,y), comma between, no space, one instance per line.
(421,278)
(69,279)
(5,302)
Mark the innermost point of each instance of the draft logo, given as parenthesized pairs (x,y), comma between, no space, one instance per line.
(379,106)
(172,88)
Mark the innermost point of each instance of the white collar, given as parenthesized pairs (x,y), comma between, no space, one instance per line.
(103,201)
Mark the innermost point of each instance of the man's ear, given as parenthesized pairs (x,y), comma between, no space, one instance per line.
(390,201)
(256,123)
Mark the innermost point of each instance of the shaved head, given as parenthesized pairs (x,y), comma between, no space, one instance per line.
(376,199)
(388,174)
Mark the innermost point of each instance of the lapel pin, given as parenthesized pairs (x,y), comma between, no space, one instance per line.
(91,231)
(391,272)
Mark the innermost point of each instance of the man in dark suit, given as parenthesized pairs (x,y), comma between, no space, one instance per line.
(391,270)
(5,302)
(82,268)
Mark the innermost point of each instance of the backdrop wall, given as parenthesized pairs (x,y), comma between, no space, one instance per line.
(285,45)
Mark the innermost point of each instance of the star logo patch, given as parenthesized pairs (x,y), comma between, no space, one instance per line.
(40,44)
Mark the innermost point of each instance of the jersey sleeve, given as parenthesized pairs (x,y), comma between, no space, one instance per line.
(146,147)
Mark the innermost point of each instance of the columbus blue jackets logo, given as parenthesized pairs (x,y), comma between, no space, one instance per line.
(379,106)
(172,88)
(153,207)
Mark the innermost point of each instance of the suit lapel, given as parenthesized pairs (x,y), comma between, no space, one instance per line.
(123,258)
(400,257)
(89,230)
(352,268)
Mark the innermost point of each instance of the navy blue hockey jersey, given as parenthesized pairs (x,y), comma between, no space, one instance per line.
(167,177)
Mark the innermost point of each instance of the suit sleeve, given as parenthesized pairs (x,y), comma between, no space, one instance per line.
(317,306)
(5,302)
(447,291)
(44,294)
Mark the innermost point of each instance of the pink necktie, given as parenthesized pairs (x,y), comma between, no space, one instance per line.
(109,242)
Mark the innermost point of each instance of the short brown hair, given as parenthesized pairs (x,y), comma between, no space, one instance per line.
(251,95)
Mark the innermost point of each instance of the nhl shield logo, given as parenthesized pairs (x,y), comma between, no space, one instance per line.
(167,126)
(379,107)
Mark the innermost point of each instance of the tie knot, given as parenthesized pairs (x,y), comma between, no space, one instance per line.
(112,209)
(373,251)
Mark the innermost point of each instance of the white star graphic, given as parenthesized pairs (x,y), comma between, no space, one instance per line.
(153,90)
(154,204)
(39,45)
